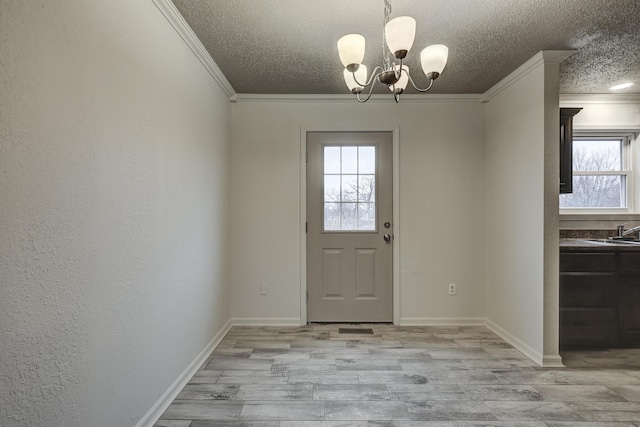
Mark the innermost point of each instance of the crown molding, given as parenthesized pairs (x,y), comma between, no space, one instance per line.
(599,98)
(608,127)
(557,56)
(542,57)
(350,99)
(175,19)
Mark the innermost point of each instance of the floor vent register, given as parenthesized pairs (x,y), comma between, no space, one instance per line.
(361,331)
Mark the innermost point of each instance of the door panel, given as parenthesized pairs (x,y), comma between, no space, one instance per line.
(349,200)
(331,277)
(365,273)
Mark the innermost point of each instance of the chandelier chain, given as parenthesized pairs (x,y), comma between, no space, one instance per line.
(387,13)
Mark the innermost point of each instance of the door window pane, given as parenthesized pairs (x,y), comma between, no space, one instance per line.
(332,188)
(349,159)
(349,216)
(367,188)
(332,216)
(349,188)
(366,216)
(367,160)
(331,160)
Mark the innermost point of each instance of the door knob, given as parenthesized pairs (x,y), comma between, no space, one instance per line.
(387,237)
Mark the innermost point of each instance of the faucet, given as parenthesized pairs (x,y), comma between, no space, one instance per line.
(622,233)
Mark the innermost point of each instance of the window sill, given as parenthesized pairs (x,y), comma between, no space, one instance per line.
(618,216)
(596,221)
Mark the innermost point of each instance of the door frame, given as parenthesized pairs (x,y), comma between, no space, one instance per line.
(395,131)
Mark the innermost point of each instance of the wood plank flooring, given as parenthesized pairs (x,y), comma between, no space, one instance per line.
(401,377)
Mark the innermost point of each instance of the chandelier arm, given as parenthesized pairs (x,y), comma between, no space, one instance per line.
(416,87)
(396,94)
(368,95)
(373,75)
(397,69)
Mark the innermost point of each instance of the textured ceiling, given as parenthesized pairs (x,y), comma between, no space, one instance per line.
(289,46)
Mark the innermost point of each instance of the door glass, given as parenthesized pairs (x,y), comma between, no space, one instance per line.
(349,188)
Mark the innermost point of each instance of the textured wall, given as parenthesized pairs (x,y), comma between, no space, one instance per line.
(113,190)
(441,203)
(515,211)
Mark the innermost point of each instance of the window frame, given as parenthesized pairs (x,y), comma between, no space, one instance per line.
(627,170)
(376,147)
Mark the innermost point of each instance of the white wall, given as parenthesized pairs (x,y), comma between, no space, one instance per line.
(441,204)
(522,209)
(604,111)
(113,212)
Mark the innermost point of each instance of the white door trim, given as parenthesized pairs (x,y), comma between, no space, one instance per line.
(396,214)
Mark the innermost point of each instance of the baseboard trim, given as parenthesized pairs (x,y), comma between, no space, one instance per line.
(552,361)
(516,342)
(441,321)
(170,394)
(266,321)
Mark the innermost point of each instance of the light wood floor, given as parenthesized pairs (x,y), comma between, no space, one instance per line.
(401,376)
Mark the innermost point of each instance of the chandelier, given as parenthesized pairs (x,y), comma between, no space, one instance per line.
(399,34)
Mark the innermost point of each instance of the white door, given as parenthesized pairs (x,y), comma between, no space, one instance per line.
(349,227)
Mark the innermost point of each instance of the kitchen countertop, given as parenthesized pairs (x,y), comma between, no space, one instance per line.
(586,245)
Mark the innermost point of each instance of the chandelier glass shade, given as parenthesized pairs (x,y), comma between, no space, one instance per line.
(403,80)
(350,78)
(398,36)
(400,33)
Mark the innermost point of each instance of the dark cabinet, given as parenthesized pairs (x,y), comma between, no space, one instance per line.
(592,291)
(588,328)
(588,262)
(599,299)
(629,263)
(629,286)
(588,300)
(566,148)
(630,312)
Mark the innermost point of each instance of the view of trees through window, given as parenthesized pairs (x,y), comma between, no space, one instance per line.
(352,208)
(598,177)
(349,188)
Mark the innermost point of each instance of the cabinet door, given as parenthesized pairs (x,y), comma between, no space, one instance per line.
(630,312)
(566,148)
(629,264)
(588,262)
(587,328)
(594,290)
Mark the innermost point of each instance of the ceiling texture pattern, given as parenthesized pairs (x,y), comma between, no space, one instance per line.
(289,46)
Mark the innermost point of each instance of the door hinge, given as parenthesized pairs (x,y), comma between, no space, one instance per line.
(306,156)
(307,297)
(306,227)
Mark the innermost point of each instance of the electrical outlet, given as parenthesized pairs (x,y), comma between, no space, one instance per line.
(452,288)
(264,288)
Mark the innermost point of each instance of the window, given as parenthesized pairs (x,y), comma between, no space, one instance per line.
(349,188)
(602,178)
